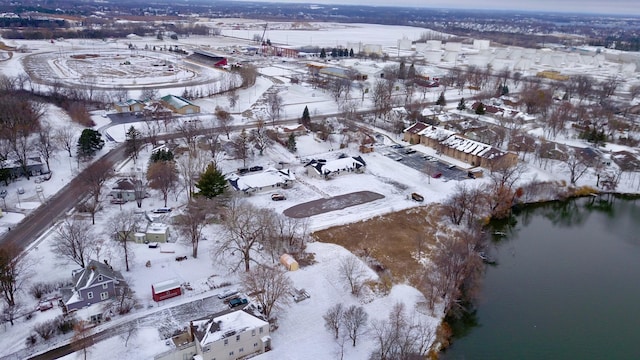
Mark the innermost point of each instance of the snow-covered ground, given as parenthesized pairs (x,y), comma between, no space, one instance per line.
(301,333)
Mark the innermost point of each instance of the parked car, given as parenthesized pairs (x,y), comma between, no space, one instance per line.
(255,168)
(153,245)
(227,293)
(437,175)
(409,151)
(118,201)
(417,197)
(278,197)
(397,146)
(237,302)
(243,171)
(20,190)
(162,210)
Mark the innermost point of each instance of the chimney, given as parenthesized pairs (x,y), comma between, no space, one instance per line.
(192,331)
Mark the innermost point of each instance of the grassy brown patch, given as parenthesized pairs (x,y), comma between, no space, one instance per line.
(391,239)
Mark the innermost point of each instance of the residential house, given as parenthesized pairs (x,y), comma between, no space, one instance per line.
(124,189)
(180,105)
(95,283)
(267,180)
(157,232)
(34,167)
(326,169)
(130,105)
(231,336)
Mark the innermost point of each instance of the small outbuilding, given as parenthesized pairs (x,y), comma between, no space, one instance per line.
(166,290)
(289,262)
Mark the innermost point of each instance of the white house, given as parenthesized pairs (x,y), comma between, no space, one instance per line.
(267,180)
(231,336)
(326,169)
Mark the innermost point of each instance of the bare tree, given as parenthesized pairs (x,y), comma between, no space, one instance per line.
(258,137)
(355,322)
(577,166)
(189,130)
(15,270)
(192,221)
(46,143)
(152,128)
(224,120)
(140,191)
(73,241)
(66,137)
(401,336)
(162,176)
(271,286)
(274,106)
(241,146)
(214,145)
(233,97)
(245,226)
(123,226)
(148,93)
(333,319)
(501,193)
(82,339)
(353,272)
(191,164)
(94,178)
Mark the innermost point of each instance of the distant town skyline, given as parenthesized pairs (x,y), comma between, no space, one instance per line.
(620,7)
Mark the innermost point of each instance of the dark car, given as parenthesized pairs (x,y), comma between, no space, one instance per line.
(437,175)
(243,171)
(409,151)
(417,197)
(118,201)
(237,302)
(278,197)
(255,168)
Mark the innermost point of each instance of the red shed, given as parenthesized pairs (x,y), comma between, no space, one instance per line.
(166,290)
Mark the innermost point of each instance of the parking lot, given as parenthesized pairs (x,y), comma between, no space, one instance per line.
(427,164)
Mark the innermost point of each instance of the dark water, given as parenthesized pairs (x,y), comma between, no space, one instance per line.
(566,286)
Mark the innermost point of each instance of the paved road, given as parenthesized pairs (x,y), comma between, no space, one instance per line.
(42,218)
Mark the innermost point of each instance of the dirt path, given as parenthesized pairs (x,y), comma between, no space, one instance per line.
(339,202)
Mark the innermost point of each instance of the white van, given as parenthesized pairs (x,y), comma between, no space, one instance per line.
(227,293)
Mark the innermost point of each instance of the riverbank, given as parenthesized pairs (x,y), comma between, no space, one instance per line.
(565,213)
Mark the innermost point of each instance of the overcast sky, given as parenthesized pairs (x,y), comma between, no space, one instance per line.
(629,7)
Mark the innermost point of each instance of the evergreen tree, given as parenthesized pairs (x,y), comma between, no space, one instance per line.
(402,70)
(334,53)
(480,110)
(504,90)
(162,155)
(89,142)
(411,73)
(441,100)
(212,182)
(462,105)
(291,143)
(351,52)
(133,141)
(323,53)
(305,119)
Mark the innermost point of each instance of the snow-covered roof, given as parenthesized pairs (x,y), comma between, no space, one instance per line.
(90,275)
(344,164)
(176,101)
(157,228)
(268,177)
(465,145)
(166,285)
(227,325)
(436,133)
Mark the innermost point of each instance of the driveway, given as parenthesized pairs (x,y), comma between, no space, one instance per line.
(339,202)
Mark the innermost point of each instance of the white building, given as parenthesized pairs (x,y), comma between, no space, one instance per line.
(268,180)
(231,336)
